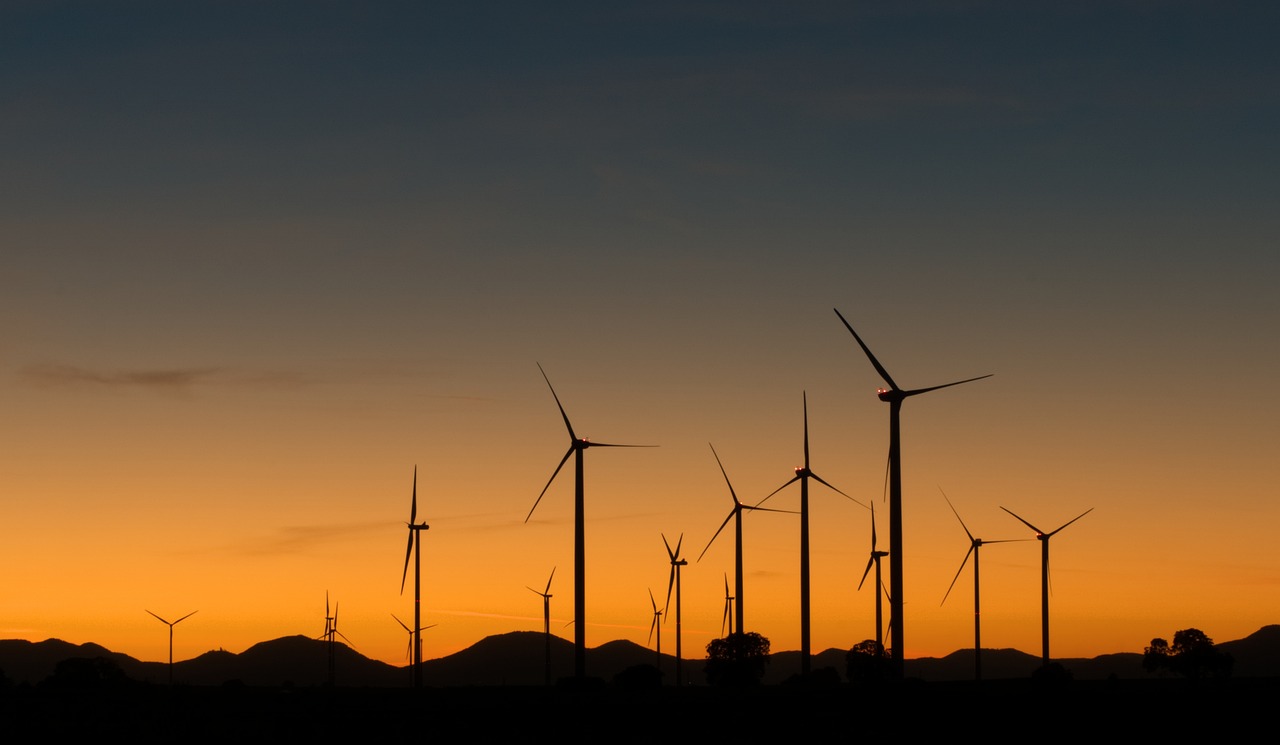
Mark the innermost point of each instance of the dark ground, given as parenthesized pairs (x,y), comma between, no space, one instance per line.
(1005,709)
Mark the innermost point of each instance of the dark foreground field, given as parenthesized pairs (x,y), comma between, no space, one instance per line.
(1004,709)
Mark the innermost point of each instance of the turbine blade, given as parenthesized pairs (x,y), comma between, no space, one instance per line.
(189,615)
(874,362)
(806,429)
(567,425)
(717,533)
(1029,525)
(166,622)
(679,542)
(670,553)
(408,553)
(958,571)
(873,531)
(725,474)
(653,602)
(595,444)
(402,624)
(780,488)
(957,514)
(867,571)
(553,574)
(671,582)
(413,510)
(555,473)
(819,479)
(1077,517)
(918,391)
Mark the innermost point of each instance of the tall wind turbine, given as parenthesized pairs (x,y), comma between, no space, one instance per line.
(894,396)
(414,549)
(735,514)
(171,625)
(676,563)
(546,619)
(1044,537)
(656,626)
(577,446)
(728,610)
(874,560)
(974,545)
(803,474)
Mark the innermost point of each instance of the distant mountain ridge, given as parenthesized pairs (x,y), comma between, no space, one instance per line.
(518,658)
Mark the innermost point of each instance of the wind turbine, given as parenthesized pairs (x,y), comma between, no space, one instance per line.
(874,560)
(674,580)
(1044,537)
(413,634)
(656,627)
(974,545)
(894,396)
(735,514)
(546,619)
(171,625)
(577,446)
(803,474)
(414,549)
(728,609)
(331,633)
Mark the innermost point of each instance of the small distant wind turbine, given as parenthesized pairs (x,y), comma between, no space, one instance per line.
(577,446)
(656,627)
(546,619)
(974,545)
(171,625)
(728,609)
(414,549)
(803,474)
(894,396)
(676,563)
(735,514)
(874,560)
(1044,537)
(413,635)
(331,634)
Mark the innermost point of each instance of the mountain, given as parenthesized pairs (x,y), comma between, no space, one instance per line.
(519,659)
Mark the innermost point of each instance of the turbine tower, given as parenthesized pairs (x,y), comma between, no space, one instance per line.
(171,625)
(974,545)
(874,560)
(674,580)
(894,396)
(735,514)
(414,549)
(577,446)
(546,619)
(803,474)
(1044,537)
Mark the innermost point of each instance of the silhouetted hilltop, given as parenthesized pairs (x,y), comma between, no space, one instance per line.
(519,659)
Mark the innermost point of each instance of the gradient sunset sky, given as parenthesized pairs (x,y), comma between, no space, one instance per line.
(261,259)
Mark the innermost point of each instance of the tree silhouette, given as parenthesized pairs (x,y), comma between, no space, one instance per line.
(1192,655)
(737,660)
(867,661)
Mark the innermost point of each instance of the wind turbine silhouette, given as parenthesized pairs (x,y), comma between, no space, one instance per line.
(656,626)
(413,635)
(674,580)
(735,514)
(331,634)
(546,619)
(577,446)
(974,545)
(894,396)
(171,625)
(803,474)
(728,609)
(874,560)
(1044,537)
(414,549)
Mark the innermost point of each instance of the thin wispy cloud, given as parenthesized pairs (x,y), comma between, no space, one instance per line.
(159,379)
(301,539)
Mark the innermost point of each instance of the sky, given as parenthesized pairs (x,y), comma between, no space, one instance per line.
(263,260)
